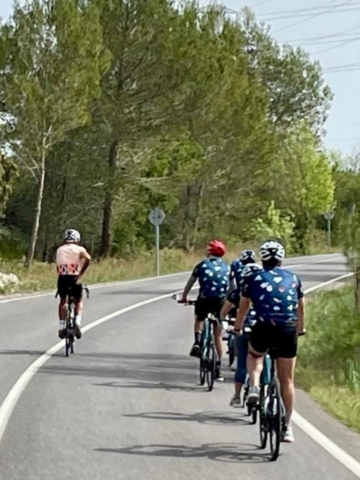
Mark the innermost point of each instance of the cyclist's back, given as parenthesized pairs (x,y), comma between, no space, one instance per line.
(274,294)
(213,276)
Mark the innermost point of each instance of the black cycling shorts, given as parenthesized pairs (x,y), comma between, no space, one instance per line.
(67,285)
(206,305)
(280,336)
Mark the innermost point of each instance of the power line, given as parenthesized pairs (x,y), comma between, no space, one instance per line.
(342,33)
(316,9)
(314,16)
(331,11)
(261,3)
(345,42)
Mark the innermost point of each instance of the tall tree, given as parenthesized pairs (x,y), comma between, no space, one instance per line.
(53,62)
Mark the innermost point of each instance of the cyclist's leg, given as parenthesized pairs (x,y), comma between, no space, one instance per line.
(216,304)
(200,316)
(62,287)
(260,341)
(241,370)
(286,352)
(76,292)
(226,309)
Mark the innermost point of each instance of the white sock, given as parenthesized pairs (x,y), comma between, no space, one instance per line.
(78,320)
(61,324)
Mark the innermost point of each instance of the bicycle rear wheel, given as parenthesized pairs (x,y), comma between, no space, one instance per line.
(211,366)
(263,423)
(202,371)
(275,419)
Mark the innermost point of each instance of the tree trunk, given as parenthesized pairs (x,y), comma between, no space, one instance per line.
(36,224)
(108,203)
(357,287)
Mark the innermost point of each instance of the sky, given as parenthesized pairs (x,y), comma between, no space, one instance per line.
(336,26)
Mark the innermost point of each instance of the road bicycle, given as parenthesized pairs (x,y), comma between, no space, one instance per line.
(272,410)
(208,356)
(229,338)
(70,327)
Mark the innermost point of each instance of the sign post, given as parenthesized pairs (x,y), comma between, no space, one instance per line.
(156,218)
(329,216)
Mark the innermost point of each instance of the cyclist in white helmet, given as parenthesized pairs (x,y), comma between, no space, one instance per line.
(278,299)
(72,261)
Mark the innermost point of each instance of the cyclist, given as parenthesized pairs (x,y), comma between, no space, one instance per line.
(213,276)
(233,298)
(72,261)
(278,299)
(236,269)
(242,343)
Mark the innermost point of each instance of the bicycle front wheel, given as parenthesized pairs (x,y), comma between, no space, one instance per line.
(274,419)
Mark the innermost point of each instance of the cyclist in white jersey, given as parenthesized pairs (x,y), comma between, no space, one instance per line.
(72,261)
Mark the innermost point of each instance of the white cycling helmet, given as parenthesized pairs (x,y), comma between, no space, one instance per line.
(72,236)
(272,251)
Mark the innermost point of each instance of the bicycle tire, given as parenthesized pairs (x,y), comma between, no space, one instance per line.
(231,351)
(263,427)
(275,419)
(202,372)
(254,415)
(245,394)
(211,366)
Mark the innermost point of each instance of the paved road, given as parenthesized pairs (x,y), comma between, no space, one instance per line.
(126,405)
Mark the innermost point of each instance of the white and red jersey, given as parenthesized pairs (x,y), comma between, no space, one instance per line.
(68,259)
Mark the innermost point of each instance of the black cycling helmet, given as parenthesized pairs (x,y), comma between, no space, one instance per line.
(247,256)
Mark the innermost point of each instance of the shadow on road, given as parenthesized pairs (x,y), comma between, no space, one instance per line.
(219,452)
(138,291)
(132,370)
(208,418)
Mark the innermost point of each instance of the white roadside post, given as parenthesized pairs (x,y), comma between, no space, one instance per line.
(329,216)
(156,218)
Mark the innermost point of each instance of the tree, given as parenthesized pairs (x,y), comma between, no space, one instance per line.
(7,172)
(295,84)
(53,62)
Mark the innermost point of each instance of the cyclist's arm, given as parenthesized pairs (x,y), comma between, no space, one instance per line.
(86,258)
(242,312)
(301,309)
(188,286)
(301,315)
(244,305)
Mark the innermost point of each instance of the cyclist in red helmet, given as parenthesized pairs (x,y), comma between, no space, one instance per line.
(213,276)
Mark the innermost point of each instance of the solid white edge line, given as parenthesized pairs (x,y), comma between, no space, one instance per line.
(120,283)
(13,396)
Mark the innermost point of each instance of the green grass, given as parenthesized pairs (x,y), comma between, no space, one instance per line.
(329,356)
(42,276)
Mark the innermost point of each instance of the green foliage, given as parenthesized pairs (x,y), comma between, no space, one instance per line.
(328,364)
(275,225)
(115,107)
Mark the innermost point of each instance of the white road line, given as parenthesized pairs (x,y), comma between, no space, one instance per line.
(139,280)
(13,396)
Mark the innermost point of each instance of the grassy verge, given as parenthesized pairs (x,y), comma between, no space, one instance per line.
(329,357)
(42,276)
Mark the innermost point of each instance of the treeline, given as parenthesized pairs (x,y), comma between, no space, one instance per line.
(112,108)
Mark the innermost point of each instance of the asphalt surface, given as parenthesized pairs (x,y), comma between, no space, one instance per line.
(127,404)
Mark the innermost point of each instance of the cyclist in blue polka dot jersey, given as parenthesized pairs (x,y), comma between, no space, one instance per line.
(278,299)
(213,274)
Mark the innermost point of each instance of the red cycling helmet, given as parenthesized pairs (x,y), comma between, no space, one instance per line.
(216,248)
